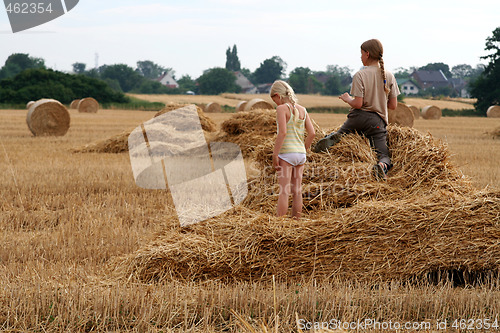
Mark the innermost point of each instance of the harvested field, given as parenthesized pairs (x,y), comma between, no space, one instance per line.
(73,225)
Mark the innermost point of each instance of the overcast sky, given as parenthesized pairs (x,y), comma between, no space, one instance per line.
(193,35)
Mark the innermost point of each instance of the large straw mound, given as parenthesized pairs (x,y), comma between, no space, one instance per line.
(376,240)
(29,104)
(402,116)
(493,111)
(88,105)
(48,117)
(431,112)
(119,143)
(425,218)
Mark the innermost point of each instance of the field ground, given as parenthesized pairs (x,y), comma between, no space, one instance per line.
(64,217)
(309,101)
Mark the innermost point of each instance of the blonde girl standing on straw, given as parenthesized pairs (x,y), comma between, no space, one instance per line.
(289,154)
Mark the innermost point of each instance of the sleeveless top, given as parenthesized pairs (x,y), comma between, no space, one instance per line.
(294,139)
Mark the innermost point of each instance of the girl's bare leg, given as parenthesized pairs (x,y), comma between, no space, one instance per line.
(284,177)
(296,184)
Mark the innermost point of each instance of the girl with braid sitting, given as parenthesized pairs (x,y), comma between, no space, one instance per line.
(374,90)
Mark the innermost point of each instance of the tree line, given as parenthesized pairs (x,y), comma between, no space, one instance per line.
(483,81)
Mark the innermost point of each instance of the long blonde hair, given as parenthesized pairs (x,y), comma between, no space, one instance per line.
(376,50)
(283,90)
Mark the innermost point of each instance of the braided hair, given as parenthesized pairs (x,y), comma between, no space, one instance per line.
(376,50)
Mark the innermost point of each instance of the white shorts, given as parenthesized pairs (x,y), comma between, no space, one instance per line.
(293,158)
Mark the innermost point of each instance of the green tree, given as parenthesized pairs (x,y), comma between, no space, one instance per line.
(232,60)
(486,88)
(217,80)
(150,70)
(18,62)
(436,66)
(125,75)
(299,79)
(186,83)
(270,70)
(79,68)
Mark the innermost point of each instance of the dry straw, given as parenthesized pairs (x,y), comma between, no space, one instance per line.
(74,104)
(48,117)
(431,112)
(427,217)
(213,107)
(493,111)
(402,116)
(241,106)
(88,105)
(415,110)
(29,104)
(119,143)
(258,103)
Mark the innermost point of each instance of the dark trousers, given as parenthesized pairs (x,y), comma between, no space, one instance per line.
(371,125)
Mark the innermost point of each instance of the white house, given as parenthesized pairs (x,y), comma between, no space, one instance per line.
(167,80)
(408,87)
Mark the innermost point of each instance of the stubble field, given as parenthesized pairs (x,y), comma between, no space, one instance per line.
(65,217)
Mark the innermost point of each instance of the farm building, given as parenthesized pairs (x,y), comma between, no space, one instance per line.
(430,79)
(242,81)
(168,80)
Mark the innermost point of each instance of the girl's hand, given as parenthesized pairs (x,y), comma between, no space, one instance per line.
(345,97)
(276,163)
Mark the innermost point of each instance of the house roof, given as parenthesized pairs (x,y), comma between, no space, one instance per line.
(431,76)
(242,81)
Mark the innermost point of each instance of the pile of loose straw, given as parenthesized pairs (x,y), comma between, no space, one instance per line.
(119,143)
(427,217)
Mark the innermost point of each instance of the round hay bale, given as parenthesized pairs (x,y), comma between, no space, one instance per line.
(48,117)
(493,111)
(74,104)
(29,104)
(431,112)
(402,116)
(88,105)
(213,107)
(258,103)
(241,106)
(415,110)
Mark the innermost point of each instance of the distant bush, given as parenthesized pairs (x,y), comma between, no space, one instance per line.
(34,84)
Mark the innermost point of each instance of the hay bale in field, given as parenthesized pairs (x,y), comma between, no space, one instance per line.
(29,104)
(426,217)
(74,104)
(493,111)
(48,117)
(431,112)
(241,106)
(88,105)
(415,110)
(119,143)
(258,103)
(402,116)
(213,107)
